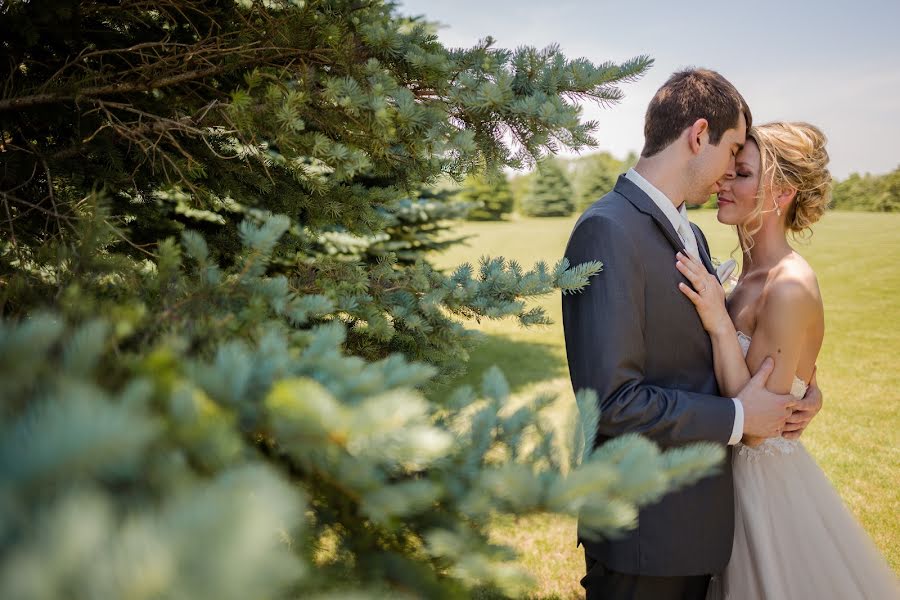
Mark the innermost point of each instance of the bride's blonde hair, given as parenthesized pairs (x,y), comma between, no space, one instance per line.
(791,155)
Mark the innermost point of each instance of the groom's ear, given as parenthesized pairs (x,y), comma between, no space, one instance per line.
(698,134)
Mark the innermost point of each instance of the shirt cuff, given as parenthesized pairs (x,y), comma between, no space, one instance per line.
(737,432)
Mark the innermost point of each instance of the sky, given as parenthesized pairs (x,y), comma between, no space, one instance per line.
(833,64)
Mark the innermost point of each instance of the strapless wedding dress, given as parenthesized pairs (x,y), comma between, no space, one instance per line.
(793,537)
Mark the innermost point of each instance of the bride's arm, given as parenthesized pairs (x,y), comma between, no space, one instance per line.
(785,316)
(781,327)
(730,367)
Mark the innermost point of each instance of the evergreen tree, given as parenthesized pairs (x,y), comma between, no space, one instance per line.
(551,193)
(597,176)
(491,197)
(411,231)
(207,391)
(520,186)
(202,112)
(215,419)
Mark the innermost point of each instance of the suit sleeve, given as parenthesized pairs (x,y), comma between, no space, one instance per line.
(605,342)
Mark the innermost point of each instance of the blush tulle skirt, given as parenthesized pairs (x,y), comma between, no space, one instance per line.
(794,539)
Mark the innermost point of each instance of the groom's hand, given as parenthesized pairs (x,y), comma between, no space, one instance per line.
(765,413)
(804,412)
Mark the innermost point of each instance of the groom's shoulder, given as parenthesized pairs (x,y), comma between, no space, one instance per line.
(613,207)
(609,220)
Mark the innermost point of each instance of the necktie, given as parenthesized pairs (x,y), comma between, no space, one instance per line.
(687,236)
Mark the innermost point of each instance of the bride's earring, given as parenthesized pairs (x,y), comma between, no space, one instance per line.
(777,209)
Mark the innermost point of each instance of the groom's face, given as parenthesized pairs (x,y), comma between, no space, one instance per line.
(714,161)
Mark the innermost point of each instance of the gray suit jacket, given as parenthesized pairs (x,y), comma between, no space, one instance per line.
(632,336)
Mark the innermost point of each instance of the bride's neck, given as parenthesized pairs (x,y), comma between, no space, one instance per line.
(769,247)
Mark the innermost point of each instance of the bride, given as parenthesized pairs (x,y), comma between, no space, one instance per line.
(794,539)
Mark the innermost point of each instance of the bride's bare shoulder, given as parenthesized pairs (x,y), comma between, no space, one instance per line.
(792,283)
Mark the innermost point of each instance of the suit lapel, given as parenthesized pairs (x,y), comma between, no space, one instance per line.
(704,257)
(643,203)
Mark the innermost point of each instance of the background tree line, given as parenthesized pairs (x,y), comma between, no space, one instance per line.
(876,193)
(561,187)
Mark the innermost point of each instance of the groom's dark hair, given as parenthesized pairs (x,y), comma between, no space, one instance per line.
(687,96)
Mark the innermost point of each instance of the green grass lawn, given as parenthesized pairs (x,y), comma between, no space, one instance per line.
(856,437)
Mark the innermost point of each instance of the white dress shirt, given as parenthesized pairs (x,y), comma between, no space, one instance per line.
(680,223)
(676,216)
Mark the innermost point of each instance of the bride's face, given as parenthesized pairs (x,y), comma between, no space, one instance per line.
(738,189)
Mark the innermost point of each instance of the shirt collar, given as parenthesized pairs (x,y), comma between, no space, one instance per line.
(674,215)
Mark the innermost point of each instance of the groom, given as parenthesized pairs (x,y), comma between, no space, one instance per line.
(636,340)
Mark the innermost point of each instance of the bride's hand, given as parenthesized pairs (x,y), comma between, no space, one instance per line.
(752,441)
(708,295)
